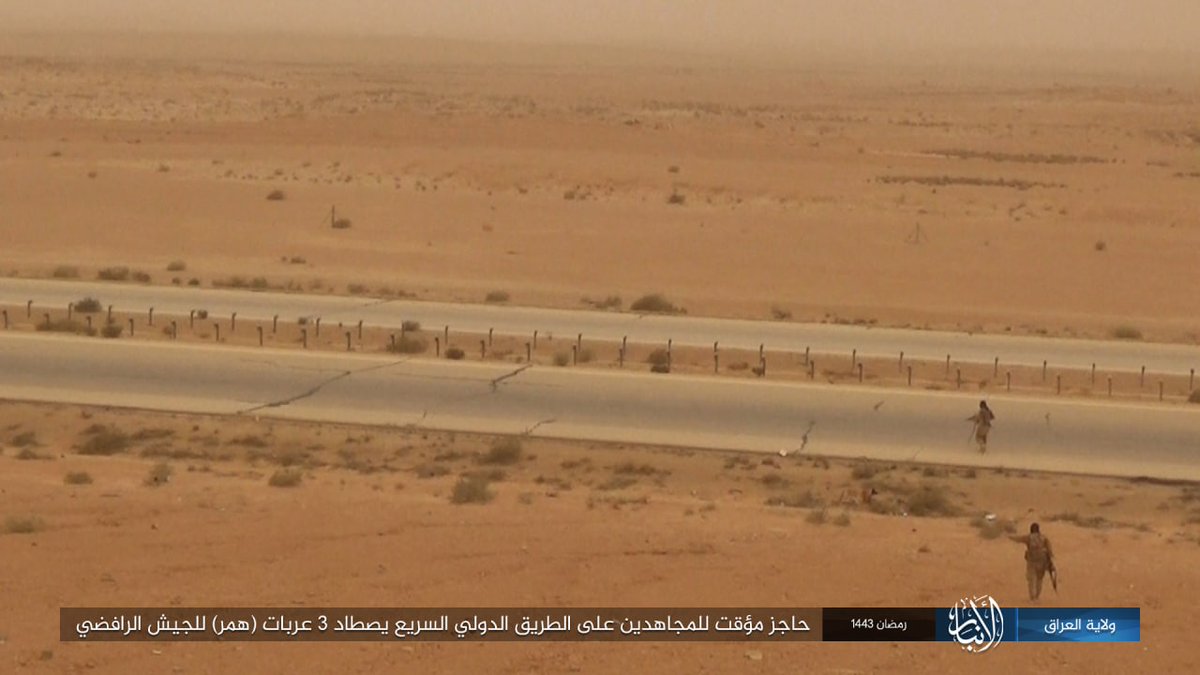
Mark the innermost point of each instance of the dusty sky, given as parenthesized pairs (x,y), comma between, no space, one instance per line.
(1100,25)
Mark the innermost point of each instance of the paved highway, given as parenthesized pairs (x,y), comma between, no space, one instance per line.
(1030,433)
(595,325)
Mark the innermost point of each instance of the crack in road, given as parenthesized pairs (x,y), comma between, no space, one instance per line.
(319,386)
(530,430)
(495,384)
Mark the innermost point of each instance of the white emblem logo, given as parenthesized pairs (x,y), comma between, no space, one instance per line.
(977,624)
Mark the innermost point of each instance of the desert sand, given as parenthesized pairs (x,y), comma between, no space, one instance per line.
(182,512)
(994,196)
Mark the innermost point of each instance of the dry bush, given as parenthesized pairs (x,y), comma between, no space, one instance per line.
(159,475)
(610,302)
(864,471)
(658,357)
(780,314)
(77,478)
(249,441)
(1126,333)
(276,196)
(816,517)
(617,483)
(65,272)
(1194,397)
(408,345)
(931,500)
(497,296)
(176,266)
(587,356)
(503,451)
(286,478)
(455,353)
(676,198)
(842,519)
(1096,522)
(342,224)
(655,303)
(775,481)
(66,326)
(472,489)
(797,500)
(105,442)
(23,524)
(561,359)
(27,454)
(88,305)
(24,440)
(113,274)
(410,326)
(141,277)
(1100,246)
(112,329)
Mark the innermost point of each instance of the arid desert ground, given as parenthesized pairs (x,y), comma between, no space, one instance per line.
(1053,198)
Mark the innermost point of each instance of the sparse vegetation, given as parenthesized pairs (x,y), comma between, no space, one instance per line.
(256,283)
(816,517)
(113,274)
(112,329)
(842,519)
(1126,333)
(676,198)
(655,303)
(967,180)
(931,500)
(561,359)
(77,478)
(797,500)
(66,326)
(1100,246)
(993,528)
(497,296)
(503,451)
(176,266)
(342,224)
(286,478)
(88,305)
(1095,522)
(1194,397)
(780,314)
(410,326)
(1026,158)
(610,302)
(658,357)
(160,475)
(23,524)
(249,441)
(141,277)
(864,471)
(408,345)
(24,439)
(455,353)
(472,489)
(105,442)
(65,272)
(27,454)
(276,196)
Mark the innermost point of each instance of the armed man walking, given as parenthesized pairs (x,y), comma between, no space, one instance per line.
(983,424)
(1039,559)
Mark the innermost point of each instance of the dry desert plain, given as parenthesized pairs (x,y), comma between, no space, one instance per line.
(1052,200)
(1060,197)
(105,507)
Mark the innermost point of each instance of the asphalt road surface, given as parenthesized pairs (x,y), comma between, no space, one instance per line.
(1031,433)
(1060,353)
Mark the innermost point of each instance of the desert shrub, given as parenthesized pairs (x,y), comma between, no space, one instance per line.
(1126,333)
(738,366)
(410,326)
(816,517)
(780,314)
(286,478)
(202,314)
(105,442)
(276,196)
(660,368)
(249,441)
(176,266)
(88,305)
(159,475)
(24,440)
(455,353)
(654,303)
(77,478)
(993,528)
(503,451)
(931,500)
(1194,397)
(66,326)
(797,500)
(113,274)
(408,345)
(1101,246)
(842,519)
(561,359)
(864,471)
(141,277)
(193,282)
(774,481)
(357,289)
(65,272)
(27,454)
(112,329)
(658,357)
(587,356)
(676,198)
(1081,521)
(497,296)
(342,224)
(23,524)
(473,489)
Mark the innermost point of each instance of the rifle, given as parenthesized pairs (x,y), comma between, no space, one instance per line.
(1053,575)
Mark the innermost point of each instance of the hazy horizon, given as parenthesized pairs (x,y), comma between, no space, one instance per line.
(707,25)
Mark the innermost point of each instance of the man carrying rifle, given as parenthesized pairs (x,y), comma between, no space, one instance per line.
(1039,559)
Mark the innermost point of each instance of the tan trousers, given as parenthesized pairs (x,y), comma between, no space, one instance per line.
(1034,573)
